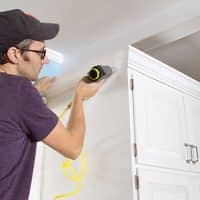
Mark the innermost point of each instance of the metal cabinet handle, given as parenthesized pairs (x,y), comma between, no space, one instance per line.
(195,154)
(188,153)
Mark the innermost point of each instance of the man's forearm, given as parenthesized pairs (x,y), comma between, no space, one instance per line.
(76,123)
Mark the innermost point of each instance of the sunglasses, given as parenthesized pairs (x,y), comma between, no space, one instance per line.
(41,53)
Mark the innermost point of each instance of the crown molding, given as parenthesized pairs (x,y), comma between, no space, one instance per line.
(149,66)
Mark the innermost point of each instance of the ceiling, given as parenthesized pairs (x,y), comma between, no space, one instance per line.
(177,46)
(93,30)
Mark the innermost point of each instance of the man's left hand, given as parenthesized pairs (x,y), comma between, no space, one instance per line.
(44,83)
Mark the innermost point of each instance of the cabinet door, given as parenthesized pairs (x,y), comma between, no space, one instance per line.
(192,115)
(195,182)
(159,123)
(164,185)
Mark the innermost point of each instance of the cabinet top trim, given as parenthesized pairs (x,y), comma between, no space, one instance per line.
(143,63)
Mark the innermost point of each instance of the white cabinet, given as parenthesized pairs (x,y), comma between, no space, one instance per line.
(164,124)
(158,184)
(192,115)
(159,123)
(196,187)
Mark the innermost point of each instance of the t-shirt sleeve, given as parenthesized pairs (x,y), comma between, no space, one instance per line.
(36,117)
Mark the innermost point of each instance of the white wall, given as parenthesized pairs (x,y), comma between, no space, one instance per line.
(107,146)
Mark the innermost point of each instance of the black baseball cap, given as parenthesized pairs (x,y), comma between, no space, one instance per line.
(16,26)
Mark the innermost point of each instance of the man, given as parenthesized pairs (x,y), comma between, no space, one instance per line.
(24,118)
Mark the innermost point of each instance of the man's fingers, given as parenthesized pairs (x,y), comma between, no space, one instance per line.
(44,83)
(53,79)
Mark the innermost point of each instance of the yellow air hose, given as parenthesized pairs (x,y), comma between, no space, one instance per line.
(67,166)
(97,72)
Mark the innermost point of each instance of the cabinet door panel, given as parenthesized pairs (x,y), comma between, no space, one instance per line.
(159,124)
(196,192)
(195,183)
(157,185)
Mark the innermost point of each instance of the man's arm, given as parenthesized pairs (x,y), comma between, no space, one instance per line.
(69,141)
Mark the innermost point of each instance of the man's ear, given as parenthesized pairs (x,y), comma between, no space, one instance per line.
(13,55)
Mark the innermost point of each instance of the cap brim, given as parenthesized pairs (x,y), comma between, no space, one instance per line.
(46,31)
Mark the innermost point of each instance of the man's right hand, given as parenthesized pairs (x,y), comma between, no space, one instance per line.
(85,90)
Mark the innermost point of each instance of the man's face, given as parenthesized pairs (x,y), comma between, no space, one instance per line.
(31,63)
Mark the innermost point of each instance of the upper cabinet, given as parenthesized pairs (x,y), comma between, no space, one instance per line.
(164,114)
(159,123)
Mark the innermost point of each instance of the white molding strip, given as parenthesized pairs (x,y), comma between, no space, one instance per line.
(145,64)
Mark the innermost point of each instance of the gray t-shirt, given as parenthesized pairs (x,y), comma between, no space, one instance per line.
(24,120)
